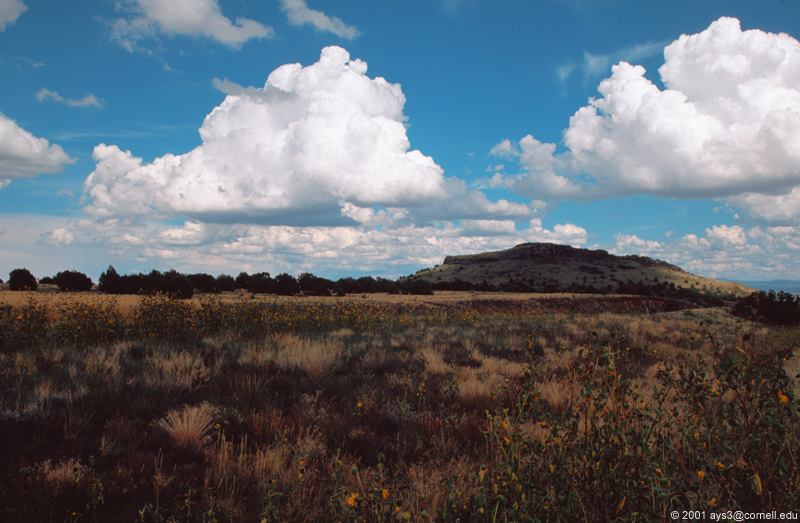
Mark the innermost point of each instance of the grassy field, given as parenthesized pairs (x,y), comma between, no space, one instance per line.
(456,407)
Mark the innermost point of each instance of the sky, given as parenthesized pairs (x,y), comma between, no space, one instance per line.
(375,138)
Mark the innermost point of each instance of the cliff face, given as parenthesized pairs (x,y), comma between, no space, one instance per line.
(525,251)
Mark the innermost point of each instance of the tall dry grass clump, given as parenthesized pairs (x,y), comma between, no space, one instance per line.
(190,428)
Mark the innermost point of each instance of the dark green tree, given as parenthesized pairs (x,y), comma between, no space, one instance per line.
(314,285)
(73,281)
(286,285)
(781,308)
(261,283)
(243,281)
(203,283)
(109,281)
(225,283)
(22,280)
(175,285)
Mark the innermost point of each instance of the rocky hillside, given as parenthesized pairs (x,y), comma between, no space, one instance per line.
(548,267)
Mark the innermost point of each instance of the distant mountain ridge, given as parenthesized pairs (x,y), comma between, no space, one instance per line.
(792,286)
(549,267)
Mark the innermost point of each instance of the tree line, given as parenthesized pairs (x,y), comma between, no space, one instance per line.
(179,285)
(781,308)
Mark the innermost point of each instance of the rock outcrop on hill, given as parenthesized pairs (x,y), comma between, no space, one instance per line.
(549,267)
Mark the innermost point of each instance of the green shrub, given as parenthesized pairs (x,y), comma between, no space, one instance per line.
(22,280)
(73,281)
(780,308)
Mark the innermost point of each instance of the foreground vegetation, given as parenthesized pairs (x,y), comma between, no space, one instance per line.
(297,410)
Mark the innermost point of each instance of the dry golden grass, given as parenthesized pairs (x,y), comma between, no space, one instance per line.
(256,423)
(191,427)
(434,361)
(178,371)
(127,304)
(315,358)
(61,475)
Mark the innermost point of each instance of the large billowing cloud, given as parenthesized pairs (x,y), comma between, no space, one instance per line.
(313,171)
(23,154)
(318,145)
(183,17)
(727,126)
(300,14)
(10,11)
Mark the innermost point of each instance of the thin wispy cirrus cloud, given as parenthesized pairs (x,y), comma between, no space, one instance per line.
(10,10)
(89,100)
(595,66)
(146,19)
(300,14)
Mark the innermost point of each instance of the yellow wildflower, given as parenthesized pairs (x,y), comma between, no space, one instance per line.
(701,474)
(783,397)
(384,493)
(352,499)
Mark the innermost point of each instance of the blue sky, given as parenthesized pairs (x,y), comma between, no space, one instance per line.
(178,134)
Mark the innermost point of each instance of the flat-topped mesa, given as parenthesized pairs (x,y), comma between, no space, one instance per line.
(550,267)
(554,253)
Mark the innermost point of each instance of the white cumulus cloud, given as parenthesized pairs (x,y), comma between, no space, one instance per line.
(23,154)
(59,236)
(198,18)
(722,251)
(10,11)
(317,145)
(299,13)
(724,236)
(567,233)
(727,126)
(141,245)
(313,171)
